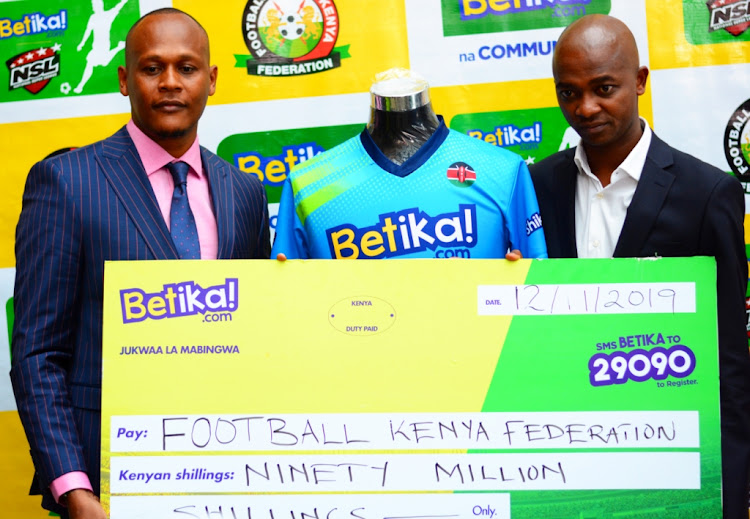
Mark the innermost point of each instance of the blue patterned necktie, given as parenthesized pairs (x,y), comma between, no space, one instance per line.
(182,223)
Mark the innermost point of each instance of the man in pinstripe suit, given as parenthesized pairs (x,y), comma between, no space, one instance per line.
(112,201)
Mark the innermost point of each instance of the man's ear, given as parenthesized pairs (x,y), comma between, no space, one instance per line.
(212,74)
(641,79)
(122,75)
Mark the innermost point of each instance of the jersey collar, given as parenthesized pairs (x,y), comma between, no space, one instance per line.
(412,163)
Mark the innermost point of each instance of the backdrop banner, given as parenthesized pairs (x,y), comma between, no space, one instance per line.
(292,86)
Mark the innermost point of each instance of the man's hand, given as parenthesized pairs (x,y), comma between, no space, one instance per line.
(83,504)
(514,255)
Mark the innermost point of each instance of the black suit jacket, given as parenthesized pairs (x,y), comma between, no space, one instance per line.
(681,207)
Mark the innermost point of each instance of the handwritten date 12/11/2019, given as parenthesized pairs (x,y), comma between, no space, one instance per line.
(608,298)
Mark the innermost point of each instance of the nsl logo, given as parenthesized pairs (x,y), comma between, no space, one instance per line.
(731,15)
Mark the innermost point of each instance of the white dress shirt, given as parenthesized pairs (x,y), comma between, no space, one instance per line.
(600,211)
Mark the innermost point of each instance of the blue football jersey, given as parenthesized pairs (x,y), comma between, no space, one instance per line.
(456,197)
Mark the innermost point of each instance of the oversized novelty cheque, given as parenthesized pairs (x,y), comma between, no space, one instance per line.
(403,388)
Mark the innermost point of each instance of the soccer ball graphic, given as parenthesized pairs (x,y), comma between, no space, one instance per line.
(291,29)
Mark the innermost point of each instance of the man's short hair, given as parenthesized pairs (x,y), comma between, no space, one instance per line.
(156,12)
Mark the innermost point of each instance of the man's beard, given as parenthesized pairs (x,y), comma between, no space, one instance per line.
(173,134)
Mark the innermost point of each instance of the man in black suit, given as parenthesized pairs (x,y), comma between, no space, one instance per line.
(623,192)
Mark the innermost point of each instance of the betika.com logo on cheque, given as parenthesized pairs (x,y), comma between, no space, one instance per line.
(215,303)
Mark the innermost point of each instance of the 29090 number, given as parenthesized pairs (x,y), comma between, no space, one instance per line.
(641,365)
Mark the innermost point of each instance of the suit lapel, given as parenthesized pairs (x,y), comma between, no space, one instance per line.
(652,190)
(122,167)
(565,187)
(222,197)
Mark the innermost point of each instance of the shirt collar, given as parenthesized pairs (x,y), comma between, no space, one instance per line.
(154,157)
(633,163)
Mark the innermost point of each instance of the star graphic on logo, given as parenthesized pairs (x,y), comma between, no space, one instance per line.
(530,160)
(30,55)
(41,52)
(56,47)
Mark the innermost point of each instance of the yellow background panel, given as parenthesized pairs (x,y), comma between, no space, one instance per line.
(373,29)
(31,142)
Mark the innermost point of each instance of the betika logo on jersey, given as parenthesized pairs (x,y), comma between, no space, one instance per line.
(462,17)
(405,232)
(731,15)
(216,302)
(291,37)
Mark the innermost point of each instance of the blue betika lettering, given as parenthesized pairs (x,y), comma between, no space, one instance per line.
(405,232)
(471,9)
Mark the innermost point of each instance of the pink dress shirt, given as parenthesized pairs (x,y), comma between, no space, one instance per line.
(154,159)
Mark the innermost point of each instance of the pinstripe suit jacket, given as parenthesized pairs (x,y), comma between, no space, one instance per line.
(79,210)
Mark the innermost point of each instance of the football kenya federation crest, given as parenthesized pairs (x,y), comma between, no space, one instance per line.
(291,37)
(33,69)
(737,142)
(461,174)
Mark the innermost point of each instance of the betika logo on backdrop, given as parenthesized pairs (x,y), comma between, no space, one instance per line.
(737,142)
(272,170)
(291,37)
(509,135)
(478,8)
(532,133)
(483,16)
(215,303)
(32,24)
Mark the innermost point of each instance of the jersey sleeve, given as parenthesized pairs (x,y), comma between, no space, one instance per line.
(524,222)
(291,237)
